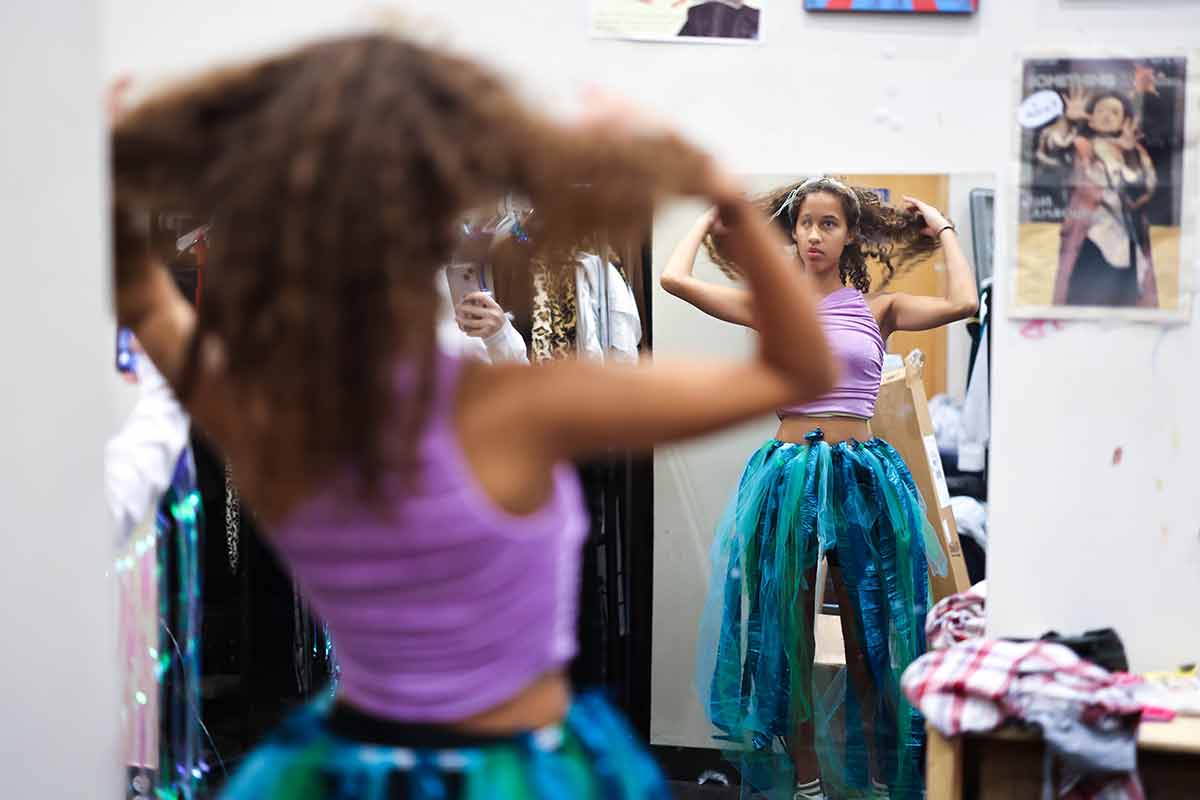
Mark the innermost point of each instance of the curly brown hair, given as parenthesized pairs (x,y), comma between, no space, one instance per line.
(336,174)
(890,236)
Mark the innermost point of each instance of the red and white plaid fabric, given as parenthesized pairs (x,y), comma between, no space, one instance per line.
(957,618)
(979,684)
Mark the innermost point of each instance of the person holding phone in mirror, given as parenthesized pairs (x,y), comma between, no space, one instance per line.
(424,502)
(824,487)
(473,324)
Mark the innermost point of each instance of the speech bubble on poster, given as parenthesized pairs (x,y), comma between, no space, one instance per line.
(1039,108)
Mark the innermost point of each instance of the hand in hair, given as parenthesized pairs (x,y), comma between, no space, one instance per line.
(716,226)
(338,173)
(726,303)
(908,312)
(935,221)
(606,113)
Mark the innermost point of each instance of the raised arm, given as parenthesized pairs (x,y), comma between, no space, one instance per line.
(723,302)
(576,409)
(147,300)
(911,312)
(149,303)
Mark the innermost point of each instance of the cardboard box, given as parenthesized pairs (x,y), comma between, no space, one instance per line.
(902,420)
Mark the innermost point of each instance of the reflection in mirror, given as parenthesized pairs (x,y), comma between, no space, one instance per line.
(508,305)
(587,302)
(827,530)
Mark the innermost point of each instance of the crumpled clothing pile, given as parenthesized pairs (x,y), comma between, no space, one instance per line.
(1088,716)
(957,618)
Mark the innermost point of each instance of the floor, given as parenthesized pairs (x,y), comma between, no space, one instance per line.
(830,653)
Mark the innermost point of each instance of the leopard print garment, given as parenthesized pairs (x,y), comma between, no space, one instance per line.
(555,314)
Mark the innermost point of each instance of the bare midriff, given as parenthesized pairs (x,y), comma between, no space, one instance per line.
(541,703)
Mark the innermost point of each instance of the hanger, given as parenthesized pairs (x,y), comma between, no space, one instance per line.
(192,238)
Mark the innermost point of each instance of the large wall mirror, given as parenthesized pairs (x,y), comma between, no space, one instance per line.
(694,483)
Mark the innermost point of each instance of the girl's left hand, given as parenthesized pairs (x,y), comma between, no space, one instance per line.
(935,220)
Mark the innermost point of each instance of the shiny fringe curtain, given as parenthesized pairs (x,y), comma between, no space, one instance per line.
(159,583)
(181,518)
(313,656)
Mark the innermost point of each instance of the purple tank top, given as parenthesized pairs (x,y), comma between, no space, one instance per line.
(857,346)
(453,605)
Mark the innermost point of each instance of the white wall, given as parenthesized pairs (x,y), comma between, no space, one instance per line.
(58,690)
(1076,541)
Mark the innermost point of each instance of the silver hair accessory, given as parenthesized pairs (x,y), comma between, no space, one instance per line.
(817,179)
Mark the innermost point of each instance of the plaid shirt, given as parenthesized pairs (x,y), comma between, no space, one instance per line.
(957,618)
(979,684)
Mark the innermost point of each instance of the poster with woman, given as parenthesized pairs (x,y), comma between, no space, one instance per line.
(1106,188)
(683,21)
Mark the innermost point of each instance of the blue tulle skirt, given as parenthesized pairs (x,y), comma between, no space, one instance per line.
(591,755)
(796,502)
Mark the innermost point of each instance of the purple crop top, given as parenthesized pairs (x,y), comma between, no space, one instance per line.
(453,605)
(858,348)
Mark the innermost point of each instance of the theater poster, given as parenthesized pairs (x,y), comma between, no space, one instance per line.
(1106,188)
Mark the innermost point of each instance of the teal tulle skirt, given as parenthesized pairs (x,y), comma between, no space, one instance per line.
(857,502)
(591,755)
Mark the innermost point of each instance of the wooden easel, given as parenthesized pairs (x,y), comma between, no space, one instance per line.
(902,420)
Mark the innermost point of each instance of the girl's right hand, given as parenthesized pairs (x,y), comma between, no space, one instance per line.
(711,220)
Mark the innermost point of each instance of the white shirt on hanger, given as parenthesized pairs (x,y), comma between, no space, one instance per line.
(624,324)
(140,460)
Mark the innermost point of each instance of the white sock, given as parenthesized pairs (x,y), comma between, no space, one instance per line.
(811,789)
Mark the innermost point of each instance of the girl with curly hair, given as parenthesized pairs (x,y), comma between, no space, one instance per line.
(422,502)
(824,487)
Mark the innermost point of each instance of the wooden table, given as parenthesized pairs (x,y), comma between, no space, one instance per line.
(1007,764)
